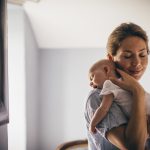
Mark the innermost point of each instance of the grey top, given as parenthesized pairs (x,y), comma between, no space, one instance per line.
(114,118)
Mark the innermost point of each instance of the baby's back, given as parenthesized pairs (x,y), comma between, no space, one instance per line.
(122,97)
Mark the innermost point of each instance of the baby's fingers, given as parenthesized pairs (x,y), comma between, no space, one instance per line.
(92,129)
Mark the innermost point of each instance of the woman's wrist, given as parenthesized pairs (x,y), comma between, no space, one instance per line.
(138,90)
(139,96)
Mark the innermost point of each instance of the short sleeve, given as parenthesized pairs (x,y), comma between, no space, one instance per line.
(93,102)
(108,88)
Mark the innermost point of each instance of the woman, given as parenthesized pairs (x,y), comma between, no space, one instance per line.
(128,47)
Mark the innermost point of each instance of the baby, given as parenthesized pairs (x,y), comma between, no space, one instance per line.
(99,75)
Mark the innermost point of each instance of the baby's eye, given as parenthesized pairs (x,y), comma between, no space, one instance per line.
(91,77)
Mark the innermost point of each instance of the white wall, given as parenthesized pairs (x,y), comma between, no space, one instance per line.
(145,78)
(64,88)
(23,85)
(63,91)
(32,88)
(16,75)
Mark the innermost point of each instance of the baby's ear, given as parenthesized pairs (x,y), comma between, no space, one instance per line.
(107,70)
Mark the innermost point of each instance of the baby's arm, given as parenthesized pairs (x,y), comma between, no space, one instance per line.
(101,111)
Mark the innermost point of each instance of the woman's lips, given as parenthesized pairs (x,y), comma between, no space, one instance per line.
(135,72)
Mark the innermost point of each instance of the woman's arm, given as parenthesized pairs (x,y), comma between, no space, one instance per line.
(134,135)
(101,111)
(148,125)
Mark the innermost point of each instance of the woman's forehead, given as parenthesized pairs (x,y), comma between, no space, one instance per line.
(133,42)
(133,50)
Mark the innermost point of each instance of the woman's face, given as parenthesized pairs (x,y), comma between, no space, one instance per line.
(132,56)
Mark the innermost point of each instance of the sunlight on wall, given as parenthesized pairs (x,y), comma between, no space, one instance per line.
(16,73)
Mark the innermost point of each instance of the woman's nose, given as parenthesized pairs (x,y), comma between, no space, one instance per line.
(136,62)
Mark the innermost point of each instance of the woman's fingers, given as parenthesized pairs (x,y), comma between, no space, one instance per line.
(118,82)
(123,74)
(121,82)
(127,82)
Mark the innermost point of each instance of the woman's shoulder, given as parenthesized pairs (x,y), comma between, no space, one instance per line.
(94,93)
(94,96)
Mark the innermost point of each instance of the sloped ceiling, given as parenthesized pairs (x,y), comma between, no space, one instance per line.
(20,2)
(17,2)
(83,23)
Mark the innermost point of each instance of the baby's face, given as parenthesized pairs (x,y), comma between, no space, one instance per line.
(97,78)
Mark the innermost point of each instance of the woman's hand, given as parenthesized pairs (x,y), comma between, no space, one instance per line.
(128,83)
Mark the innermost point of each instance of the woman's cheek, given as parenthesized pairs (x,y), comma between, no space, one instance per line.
(125,65)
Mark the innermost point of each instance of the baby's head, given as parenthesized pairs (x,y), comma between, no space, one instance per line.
(101,71)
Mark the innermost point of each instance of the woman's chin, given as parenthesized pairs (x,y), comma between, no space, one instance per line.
(136,76)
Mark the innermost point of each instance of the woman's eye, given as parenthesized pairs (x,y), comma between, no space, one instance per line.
(143,55)
(127,56)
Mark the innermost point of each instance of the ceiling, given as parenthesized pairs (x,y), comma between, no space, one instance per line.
(21,2)
(82,23)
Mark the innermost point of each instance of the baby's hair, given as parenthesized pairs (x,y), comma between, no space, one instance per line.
(101,63)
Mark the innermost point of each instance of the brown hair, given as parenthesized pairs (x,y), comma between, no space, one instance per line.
(123,31)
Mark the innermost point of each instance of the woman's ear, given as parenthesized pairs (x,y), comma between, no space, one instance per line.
(110,57)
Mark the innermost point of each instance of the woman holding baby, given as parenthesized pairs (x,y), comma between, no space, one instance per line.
(128,48)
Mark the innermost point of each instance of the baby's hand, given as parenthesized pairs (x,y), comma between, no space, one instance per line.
(93,85)
(92,129)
